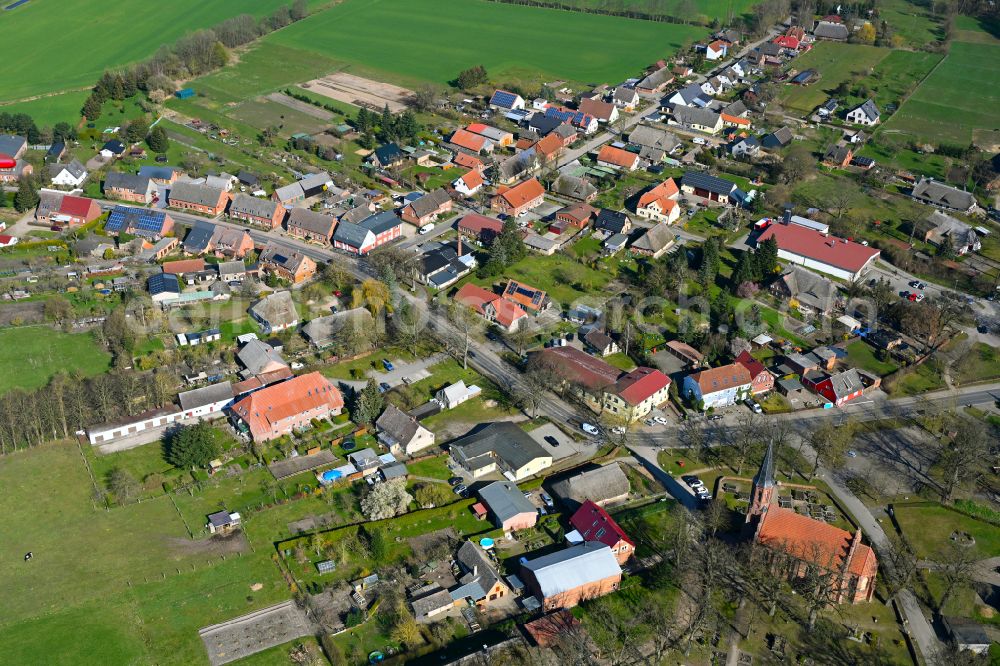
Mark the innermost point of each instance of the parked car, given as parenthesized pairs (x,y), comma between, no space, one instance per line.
(426,229)
(383,387)
(618,430)
(661,420)
(715,417)
(461,489)
(590,429)
(692,481)
(387,365)
(753,406)
(455,481)
(552,441)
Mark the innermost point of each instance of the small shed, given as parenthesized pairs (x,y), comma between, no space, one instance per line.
(184,93)
(326,566)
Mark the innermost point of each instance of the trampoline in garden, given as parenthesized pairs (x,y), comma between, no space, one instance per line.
(375,657)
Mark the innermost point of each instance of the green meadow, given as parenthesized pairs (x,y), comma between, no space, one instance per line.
(31,355)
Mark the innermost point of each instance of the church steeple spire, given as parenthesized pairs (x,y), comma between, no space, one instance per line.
(763,486)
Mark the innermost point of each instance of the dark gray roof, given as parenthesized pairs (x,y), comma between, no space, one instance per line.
(597,485)
(161,283)
(837,153)
(206,395)
(573,567)
(227,268)
(380,222)
(765,475)
(655,238)
(478,575)
(656,79)
(158,172)
(289,192)
(514,447)
(397,424)
(311,221)
(778,138)
(356,214)
(644,135)
(693,115)
(613,221)
(11,145)
(74,167)
(810,288)
(869,109)
(350,234)
(126,181)
(254,206)
(199,237)
(505,500)
(931,191)
(704,181)
(281,255)
(689,93)
(737,108)
(202,195)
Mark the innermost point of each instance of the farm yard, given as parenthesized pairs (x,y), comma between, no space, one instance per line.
(67,28)
(941,109)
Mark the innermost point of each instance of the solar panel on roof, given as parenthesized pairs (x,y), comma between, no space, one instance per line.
(504,98)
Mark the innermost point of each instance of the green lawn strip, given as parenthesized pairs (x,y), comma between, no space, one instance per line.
(924,378)
(564,279)
(861,355)
(31,355)
(359,367)
(469,412)
(620,360)
(929,528)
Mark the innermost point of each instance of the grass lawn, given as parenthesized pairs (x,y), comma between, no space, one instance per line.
(358,368)
(620,360)
(31,355)
(100,36)
(835,62)
(897,75)
(940,110)
(436,176)
(564,279)
(72,602)
(929,528)
(265,113)
(587,247)
(925,378)
(774,403)
(435,468)
(911,22)
(47,111)
(981,363)
(436,43)
(861,355)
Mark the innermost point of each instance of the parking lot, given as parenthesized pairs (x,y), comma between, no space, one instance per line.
(567,446)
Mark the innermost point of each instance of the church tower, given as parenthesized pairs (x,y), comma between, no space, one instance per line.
(762,491)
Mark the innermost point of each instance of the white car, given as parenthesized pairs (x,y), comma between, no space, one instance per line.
(618,430)
(698,140)
(590,429)
(426,229)
(661,420)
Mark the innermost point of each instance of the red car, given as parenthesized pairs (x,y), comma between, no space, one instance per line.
(912,297)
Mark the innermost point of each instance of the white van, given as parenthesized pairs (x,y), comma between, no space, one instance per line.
(698,140)
(427,228)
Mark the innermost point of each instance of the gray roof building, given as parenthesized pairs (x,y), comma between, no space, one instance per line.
(193,193)
(199,238)
(311,222)
(574,187)
(709,183)
(230,270)
(12,145)
(932,192)
(244,204)
(505,501)
(810,289)
(652,137)
(572,568)
(430,203)
(128,181)
(289,193)
(259,357)
(396,427)
(74,168)
(478,575)
(693,115)
(502,441)
(277,309)
(205,396)
(831,30)
(600,486)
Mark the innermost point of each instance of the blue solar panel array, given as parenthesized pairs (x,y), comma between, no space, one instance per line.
(504,99)
(134,220)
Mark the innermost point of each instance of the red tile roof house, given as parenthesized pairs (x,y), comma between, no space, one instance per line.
(480,228)
(520,198)
(199,198)
(594,524)
(182,266)
(629,395)
(74,210)
(490,306)
(281,408)
(761,381)
(531,299)
(469,183)
(605,112)
(470,141)
(427,208)
(616,158)
(258,212)
(468,161)
(827,254)
(310,225)
(660,203)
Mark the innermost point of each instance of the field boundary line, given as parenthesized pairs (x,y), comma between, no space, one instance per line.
(908,95)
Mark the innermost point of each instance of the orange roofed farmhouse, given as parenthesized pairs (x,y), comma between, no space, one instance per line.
(280,408)
(519,199)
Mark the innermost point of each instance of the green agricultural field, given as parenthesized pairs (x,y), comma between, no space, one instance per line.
(704,10)
(31,355)
(941,109)
(58,45)
(266,113)
(897,75)
(52,109)
(513,42)
(836,63)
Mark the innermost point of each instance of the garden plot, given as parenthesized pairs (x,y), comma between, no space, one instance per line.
(360,91)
